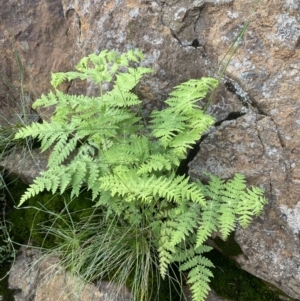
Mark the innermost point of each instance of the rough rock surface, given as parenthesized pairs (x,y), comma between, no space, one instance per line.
(251,145)
(39,278)
(262,146)
(53,35)
(185,39)
(26,164)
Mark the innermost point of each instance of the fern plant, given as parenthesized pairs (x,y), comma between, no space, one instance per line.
(102,143)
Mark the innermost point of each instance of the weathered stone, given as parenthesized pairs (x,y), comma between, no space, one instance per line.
(251,145)
(40,278)
(56,284)
(262,146)
(26,164)
(23,275)
(53,37)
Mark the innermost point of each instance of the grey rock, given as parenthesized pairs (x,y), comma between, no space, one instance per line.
(262,146)
(25,164)
(36,277)
(251,145)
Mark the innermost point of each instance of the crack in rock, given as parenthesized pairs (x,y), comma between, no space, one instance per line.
(181,19)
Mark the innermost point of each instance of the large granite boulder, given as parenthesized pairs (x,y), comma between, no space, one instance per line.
(53,35)
(185,39)
(263,146)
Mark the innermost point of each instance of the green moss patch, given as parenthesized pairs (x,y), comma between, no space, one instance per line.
(42,209)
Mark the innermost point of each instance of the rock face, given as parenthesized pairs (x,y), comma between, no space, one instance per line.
(185,39)
(53,35)
(251,145)
(26,164)
(39,278)
(263,146)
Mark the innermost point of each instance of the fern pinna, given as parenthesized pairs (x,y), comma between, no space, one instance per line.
(130,164)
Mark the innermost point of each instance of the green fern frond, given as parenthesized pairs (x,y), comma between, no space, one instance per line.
(88,128)
(45,101)
(135,55)
(175,189)
(139,146)
(51,133)
(173,233)
(230,202)
(79,174)
(214,188)
(181,125)
(231,195)
(165,258)
(199,274)
(62,150)
(128,184)
(122,116)
(121,95)
(30,192)
(120,183)
(185,140)
(77,103)
(70,106)
(235,186)
(199,120)
(33,130)
(65,179)
(105,65)
(191,91)
(258,199)
(196,260)
(202,249)
(226,220)
(46,132)
(46,181)
(198,279)
(126,99)
(48,140)
(156,162)
(251,203)
(104,199)
(57,79)
(165,126)
(129,151)
(209,222)
(183,226)
(93,172)
(83,63)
